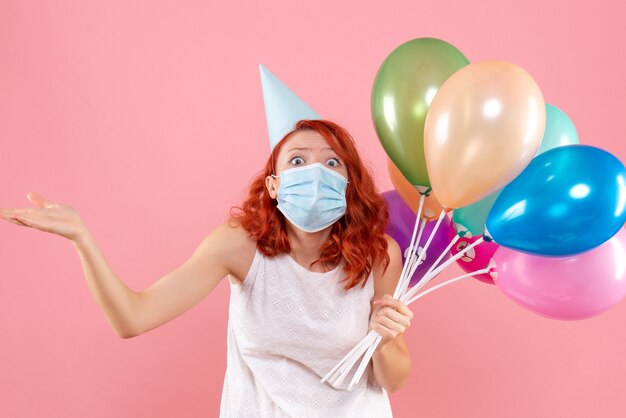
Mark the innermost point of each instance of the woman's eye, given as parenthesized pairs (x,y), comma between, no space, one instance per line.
(335,162)
(296,160)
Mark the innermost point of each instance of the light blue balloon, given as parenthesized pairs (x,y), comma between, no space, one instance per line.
(567,201)
(560,130)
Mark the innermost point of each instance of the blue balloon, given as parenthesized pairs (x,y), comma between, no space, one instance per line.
(567,201)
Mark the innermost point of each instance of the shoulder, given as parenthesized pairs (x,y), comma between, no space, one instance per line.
(238,248)
(395,258)
(237,236)
(229,237)
(386,280)
(227,244)
(393,249)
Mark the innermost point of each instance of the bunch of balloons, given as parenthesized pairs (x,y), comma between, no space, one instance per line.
(535,212)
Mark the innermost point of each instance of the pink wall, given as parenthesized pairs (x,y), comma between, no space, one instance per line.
(148,118)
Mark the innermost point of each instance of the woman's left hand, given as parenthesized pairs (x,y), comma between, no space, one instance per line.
(390,318)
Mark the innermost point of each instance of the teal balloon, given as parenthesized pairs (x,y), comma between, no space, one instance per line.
(560,130)
(471,218)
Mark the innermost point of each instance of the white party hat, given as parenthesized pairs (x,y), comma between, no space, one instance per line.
(283,108)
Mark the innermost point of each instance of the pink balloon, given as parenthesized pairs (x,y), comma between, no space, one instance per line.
(575,287)
(477,258)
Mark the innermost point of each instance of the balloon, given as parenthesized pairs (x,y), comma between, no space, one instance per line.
(431,208)
(473,217)
(568,200)
(560,130)
(404,86)
(567,288)
(482,129)
(475,259)
(400,227)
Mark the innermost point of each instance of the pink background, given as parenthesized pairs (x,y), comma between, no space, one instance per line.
(148,118)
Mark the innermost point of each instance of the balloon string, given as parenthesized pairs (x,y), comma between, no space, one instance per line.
(422,282)
(366,358)
(346,358)
(428,277)
(422,254)
(405,265)
(369,343)
(457,256)
(404,281)
(415,254)
(412,242)
(337,374)
(412,262)
(345,369)
(432,289)
(357,377)
(370,352)
(351,361)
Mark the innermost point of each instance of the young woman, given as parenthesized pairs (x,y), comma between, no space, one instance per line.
(311,272)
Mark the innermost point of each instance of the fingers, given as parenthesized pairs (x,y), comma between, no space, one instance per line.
(8,214)
(38,200)
(400,306)
(394,316)
(387,329)
(20,222)
(12,217)
(16,212)
(32,221)
(395,327)
(383,330)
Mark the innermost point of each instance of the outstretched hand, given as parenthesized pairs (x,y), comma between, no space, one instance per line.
(47,216)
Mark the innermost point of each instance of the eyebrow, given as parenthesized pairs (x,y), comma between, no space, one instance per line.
(308,148)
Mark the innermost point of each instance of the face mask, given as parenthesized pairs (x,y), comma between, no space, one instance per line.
(312,197)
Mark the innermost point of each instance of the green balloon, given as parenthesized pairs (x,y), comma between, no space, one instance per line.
(403,90)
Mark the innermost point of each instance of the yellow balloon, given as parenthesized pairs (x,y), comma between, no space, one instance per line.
(482,129)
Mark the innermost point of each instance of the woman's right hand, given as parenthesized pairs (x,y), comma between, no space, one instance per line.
(48,216)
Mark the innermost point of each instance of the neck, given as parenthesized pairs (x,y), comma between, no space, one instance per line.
(306,246)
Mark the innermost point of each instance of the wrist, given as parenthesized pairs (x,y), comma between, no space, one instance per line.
(82,238)
(385,346)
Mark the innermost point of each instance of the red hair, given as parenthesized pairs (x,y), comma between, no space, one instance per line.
(358,237)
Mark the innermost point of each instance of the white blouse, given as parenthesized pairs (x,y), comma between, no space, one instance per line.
(287,327)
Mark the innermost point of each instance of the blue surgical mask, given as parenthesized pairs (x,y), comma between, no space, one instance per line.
(312,197)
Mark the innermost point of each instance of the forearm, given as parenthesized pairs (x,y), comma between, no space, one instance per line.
(116,300)
(391,365)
